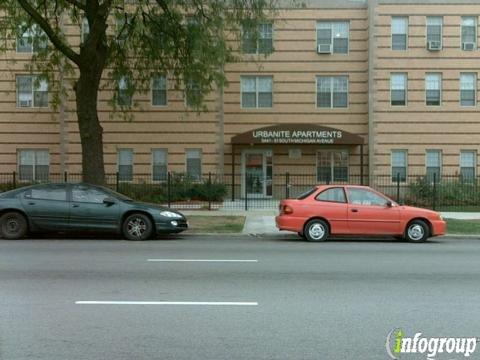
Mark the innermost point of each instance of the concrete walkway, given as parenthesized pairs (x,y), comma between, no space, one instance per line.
(262,222)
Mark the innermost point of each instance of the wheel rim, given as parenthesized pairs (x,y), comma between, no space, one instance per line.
(316,231)
(416,232)
(12,227)
(136,227)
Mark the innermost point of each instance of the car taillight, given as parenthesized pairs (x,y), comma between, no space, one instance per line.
(287,209)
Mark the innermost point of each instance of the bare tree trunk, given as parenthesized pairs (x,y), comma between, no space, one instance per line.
(91,132)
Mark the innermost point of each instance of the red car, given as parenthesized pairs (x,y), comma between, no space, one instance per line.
(355,210)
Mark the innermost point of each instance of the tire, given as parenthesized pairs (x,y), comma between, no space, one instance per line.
(316,230)
(13,226)
(417,231)
(301,235)
(137,227)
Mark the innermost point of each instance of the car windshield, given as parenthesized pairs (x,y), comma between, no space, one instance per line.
(306,193)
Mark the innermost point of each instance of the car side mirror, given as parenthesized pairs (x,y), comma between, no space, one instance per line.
(109,201)
(389,203)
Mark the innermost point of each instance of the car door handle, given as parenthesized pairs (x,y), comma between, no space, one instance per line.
(354,210)
(31,203)
(75,205)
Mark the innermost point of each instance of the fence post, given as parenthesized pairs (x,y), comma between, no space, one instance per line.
(14,179)
(287,185)
(65,176)
(434,200)
(398,187)
(117,182)
(246,192)
(209,190)
(169,195)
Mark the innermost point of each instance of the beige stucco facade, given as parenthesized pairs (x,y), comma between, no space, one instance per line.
(293,66)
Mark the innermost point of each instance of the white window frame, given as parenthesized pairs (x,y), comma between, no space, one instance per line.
(33,90)
(33,35)
(475,85)
(441,30)
(332,37)
(475,161)
(440,87)
(257,47)
(475,19)
(332,165)
(405,152)
(153,163)
(440,159)
(331,92)
(132,164)
(257,77)
(200,153)
(406,88)
(406,33)
(84,26)
(35,151)
(123,80)
(166,91)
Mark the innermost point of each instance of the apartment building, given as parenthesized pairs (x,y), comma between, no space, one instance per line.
(334,89)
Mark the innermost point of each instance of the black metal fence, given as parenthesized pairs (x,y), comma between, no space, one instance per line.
(213,191)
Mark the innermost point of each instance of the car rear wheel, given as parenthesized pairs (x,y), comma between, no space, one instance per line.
(137,227)
(417,231)
(316,230)
(13,226)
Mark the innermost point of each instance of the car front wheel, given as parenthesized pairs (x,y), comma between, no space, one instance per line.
(316,230)
(417,231)
(13,226)
(137,227)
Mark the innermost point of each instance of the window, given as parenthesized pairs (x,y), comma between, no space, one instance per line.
(262,43)
(335,34)
(399,28)
(434,164)
(359,196)
(48,192)
(468,164)
(434,29)
(194,164)
(433,89)
(32,91)
(398,89)
(192,93)
(123,28)
(86,194)
(332,91)
(124,92)
(33,165)
(332,195)
(159,164)
(125,164)
(399,165)
(257,91)
(31,40)
(468,89)
(469,33)
(159,90)
(332,165)
(85,30)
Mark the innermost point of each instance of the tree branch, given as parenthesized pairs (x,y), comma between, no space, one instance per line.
(78,3)
(45,26)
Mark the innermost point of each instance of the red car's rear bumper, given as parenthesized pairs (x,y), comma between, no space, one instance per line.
(439,227)
(289,223)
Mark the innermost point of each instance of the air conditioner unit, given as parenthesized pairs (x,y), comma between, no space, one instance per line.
(434,45)
(324,48)
(468,46)
(25,103)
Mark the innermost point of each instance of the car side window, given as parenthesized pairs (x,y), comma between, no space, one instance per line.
(47,192)
(87,195)
(332,195)
(365,197)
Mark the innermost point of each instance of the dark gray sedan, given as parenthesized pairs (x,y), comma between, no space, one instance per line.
(82,207)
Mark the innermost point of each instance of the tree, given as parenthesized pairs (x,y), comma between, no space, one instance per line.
(126,42)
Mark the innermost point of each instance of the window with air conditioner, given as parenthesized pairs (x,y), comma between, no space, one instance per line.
(469,33)
(434,33)
(32,91)
(333,37)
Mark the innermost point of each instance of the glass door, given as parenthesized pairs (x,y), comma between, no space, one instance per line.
(257,173)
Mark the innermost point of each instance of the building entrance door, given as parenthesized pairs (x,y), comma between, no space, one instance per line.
(257,173)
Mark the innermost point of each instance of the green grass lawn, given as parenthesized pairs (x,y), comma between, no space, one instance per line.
(468,227)
(215,224)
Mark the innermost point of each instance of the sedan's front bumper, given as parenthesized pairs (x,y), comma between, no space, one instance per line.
(439,227)
(171,226)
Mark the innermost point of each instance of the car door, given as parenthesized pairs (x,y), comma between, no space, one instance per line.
(331,204)
(47,206)
(369,213)
(89,212)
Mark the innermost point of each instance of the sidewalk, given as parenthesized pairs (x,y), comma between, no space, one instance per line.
(262,222)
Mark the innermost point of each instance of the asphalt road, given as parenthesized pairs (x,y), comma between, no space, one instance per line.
(333,300)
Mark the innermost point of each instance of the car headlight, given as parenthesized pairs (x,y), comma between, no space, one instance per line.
(170,214)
